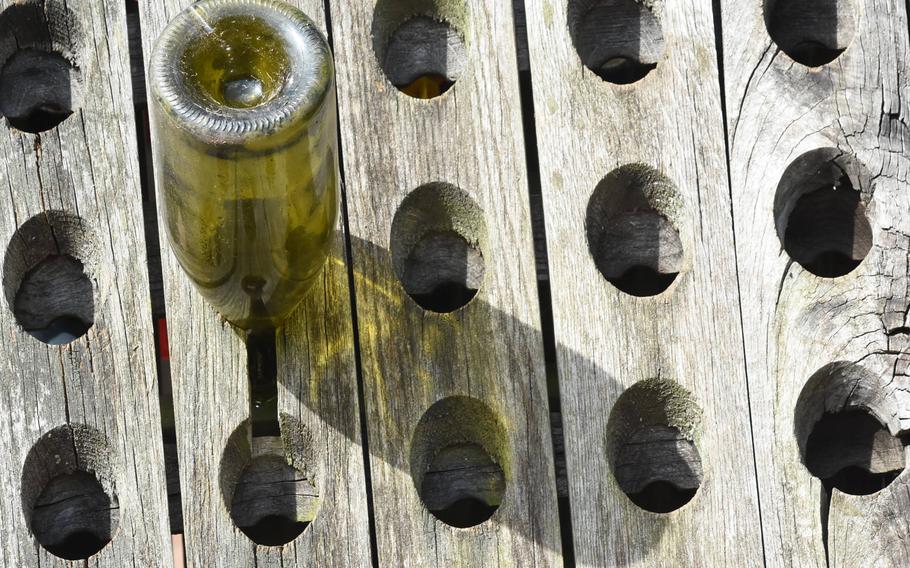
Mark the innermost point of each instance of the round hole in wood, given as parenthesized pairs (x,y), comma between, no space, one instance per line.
(40,79)
(47,277)
(631,232)
(437,243)
(460,461)
(69,498)
(811,32)
(820,212)
(619,40)
(840,430)
(268,483)
(420,44)
(651,445)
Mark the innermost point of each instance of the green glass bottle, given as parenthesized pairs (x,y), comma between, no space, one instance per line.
(244,119)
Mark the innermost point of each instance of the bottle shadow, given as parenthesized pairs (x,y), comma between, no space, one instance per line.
(414,367)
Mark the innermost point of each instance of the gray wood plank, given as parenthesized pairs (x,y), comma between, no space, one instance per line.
(438,205)
(651,365)
(819,170)
(81,449)
(317,401)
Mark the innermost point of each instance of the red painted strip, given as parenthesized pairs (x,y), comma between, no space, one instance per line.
(163,350)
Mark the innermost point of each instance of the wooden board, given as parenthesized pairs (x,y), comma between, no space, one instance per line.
(642,377)
(81,446)
(317,400)
(800,317)
(442,382)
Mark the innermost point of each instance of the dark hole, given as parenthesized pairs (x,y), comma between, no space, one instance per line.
(463,485)
(78,546)
(274,530)
(827,231)
(423,57)
(814,54)
(639,251)
(35,90)
(427,86)
(442,272)
(858,481)
(72,517)
(853,452)
(643,281)
(662,497)
(812,32)
(658,468)
(465,513)
(624,70)
(619,40)
(55,300)
(831,264)
(445,297)
(61,331)
(272,502)
(40,119)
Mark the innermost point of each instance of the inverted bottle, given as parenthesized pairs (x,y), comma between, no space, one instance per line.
(243,111)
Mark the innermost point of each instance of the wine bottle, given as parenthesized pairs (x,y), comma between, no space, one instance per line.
(244,123)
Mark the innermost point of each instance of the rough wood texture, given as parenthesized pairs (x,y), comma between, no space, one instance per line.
(81,445)
(797,323)
(317,401)
(480,368)
(607,341)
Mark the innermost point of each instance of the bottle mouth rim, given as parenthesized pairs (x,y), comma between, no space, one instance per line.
(308,81)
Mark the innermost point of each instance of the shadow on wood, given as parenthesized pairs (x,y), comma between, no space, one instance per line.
(463,473)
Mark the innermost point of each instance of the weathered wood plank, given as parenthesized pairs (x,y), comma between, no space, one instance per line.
(318,407)
(438,205)
(81,447)
(444,490)
(819,168)
(645,307)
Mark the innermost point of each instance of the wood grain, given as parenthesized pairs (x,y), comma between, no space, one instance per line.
(483,363)
(318,407)
(90,405)
(795,322)
(668,130)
